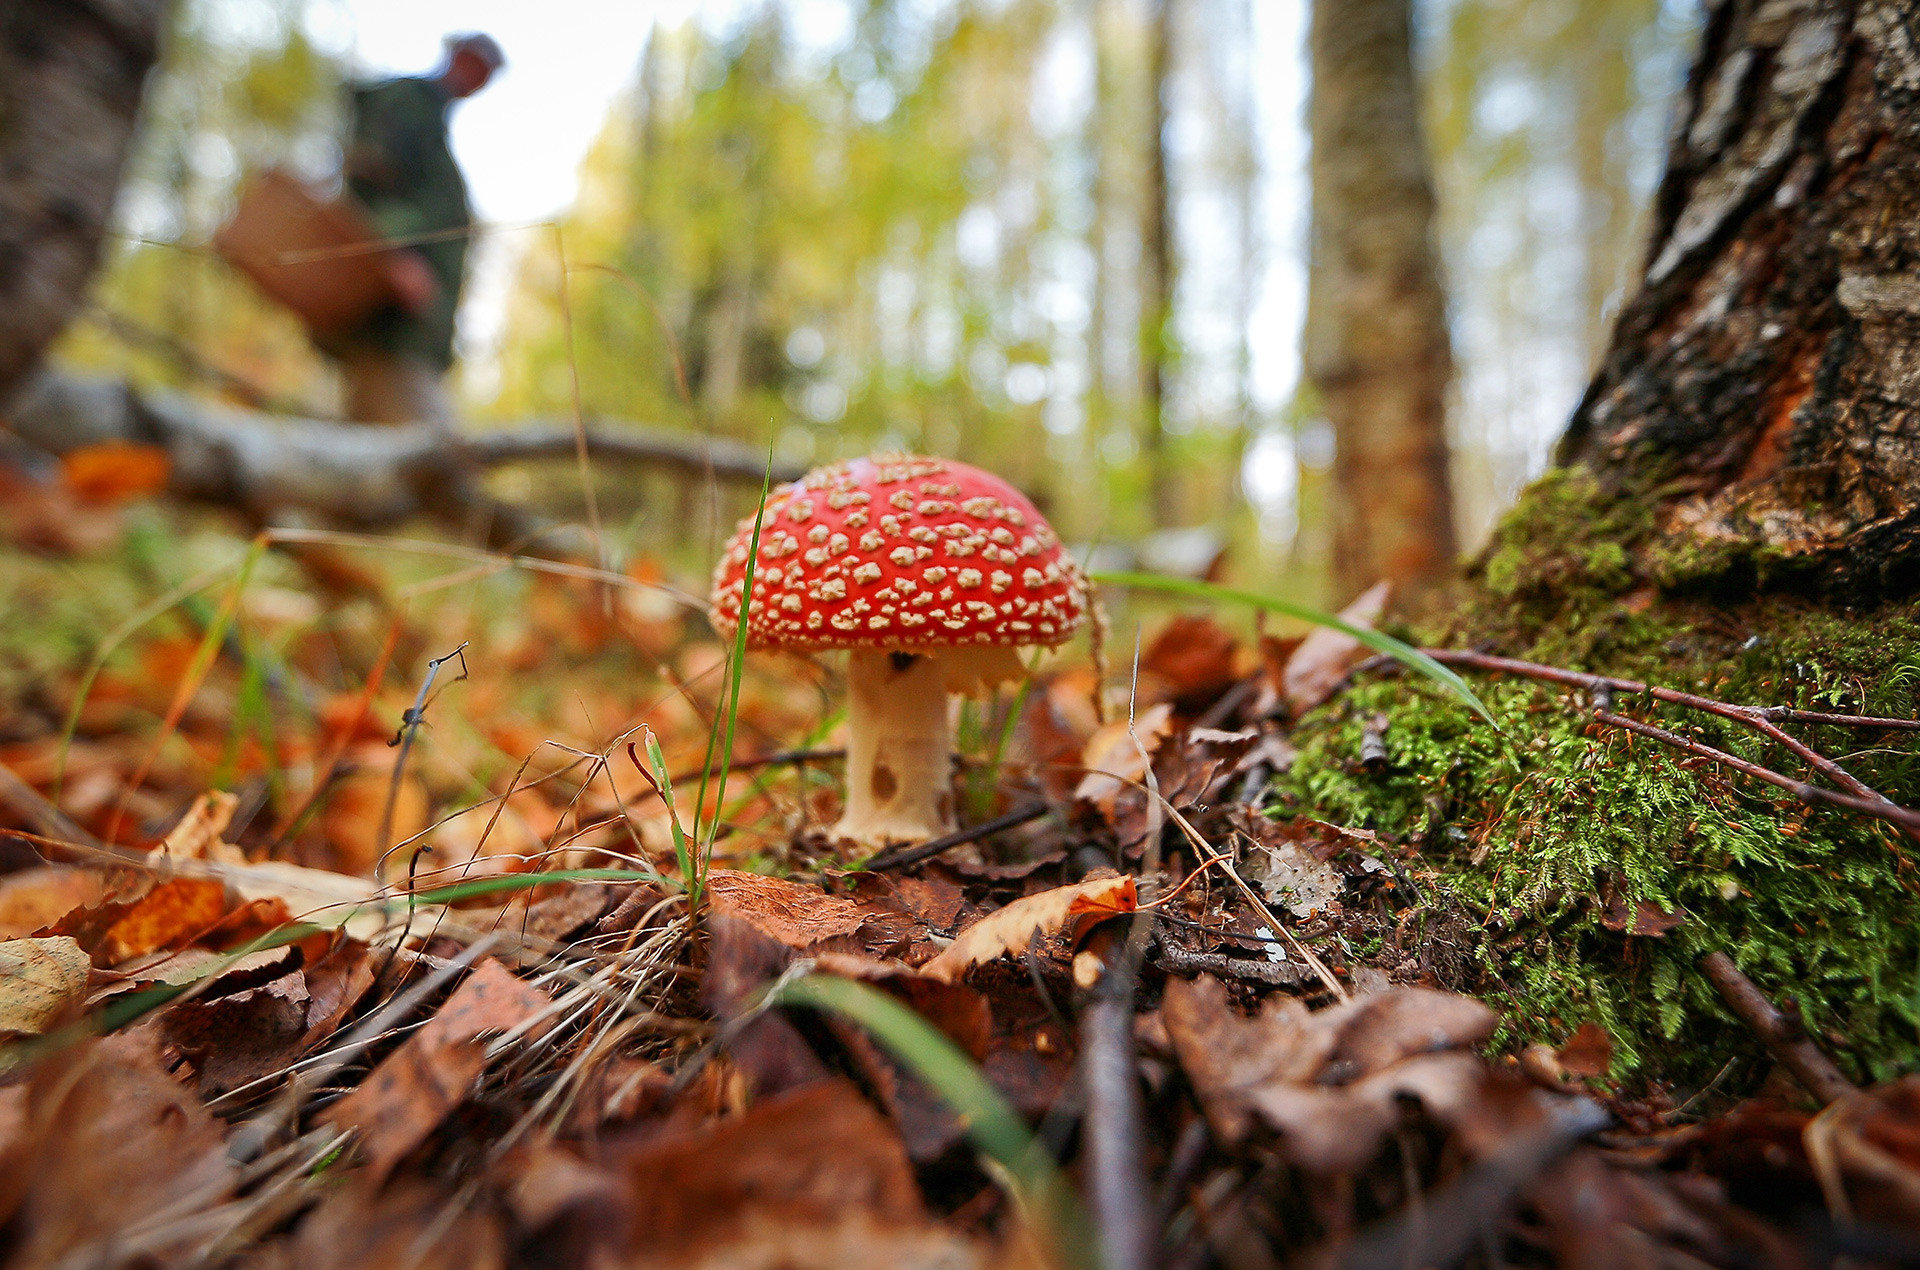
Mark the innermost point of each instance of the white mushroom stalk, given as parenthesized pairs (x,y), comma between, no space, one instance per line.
(899,753)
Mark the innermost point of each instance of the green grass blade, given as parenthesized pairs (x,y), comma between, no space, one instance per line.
(993,1125)
(1406,654)
(663,781)
(735,666)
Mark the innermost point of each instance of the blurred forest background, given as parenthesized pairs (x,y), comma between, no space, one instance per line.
(936,231)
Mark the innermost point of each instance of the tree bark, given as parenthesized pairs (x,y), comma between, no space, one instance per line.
(70,78)
(1156,274)
(1762,388)
(1377,346)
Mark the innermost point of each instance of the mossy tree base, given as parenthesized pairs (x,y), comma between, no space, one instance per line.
(1597,867)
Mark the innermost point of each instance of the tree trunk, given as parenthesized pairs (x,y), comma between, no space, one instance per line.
(70,77)
(1156,275)
(1377,346)
(1761,387)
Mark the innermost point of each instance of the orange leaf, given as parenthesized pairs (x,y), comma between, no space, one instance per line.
(115,471)
(1012,929)
(171,915)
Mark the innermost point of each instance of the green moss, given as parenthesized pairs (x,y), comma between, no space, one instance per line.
(1535,829)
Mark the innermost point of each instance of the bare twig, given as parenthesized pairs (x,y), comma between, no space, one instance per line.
(1765,720)
(1880,809)
(1778,1030)
(26,802)
(1177,960)
(901,857)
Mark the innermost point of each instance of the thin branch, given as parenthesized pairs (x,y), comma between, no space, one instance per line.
(1859,797)
(1880,809)
(900,857)
(1779,1031)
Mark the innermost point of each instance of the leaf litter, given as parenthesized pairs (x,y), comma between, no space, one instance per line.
(225,1040)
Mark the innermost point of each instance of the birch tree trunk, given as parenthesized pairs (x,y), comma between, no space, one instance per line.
(1762,388)
(70,78)
(1376,343)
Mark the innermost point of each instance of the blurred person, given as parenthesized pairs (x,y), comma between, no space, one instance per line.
(400,168)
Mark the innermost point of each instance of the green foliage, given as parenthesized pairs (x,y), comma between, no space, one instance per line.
(1535,830)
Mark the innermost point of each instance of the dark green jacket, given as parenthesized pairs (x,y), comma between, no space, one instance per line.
(400,166)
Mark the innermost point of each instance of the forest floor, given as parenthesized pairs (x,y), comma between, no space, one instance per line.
(421,917)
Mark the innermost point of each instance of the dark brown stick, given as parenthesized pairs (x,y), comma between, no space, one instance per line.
(1726,709)
(1116,1155)
(1780,1032)
(900,857)
(1763,719)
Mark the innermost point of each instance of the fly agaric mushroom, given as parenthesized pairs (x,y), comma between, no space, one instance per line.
(930,573)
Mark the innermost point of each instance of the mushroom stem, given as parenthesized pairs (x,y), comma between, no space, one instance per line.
(898,783)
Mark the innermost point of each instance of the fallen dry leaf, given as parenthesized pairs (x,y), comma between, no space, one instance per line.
(240,1036)
(1323,658)
(1114,756)
(407,1096)
(1012,929)
(814,1179)
(40,980)
(1328,1081)
(1588,1052)
(198,835)
(35,899)
(173,914)
(795,915)
(1192,659)
(109,1139)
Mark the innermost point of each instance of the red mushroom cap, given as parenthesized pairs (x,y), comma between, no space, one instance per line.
(900,551)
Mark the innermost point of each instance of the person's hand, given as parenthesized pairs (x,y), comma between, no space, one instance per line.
(414,286)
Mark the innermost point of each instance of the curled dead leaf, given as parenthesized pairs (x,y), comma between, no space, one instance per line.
(40,981)
(1119,753)
(1012,929)
(1328,1081)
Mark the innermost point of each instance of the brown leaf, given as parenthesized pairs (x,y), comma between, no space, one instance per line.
(1011,929)
(1328,1080)
(1113,757)
(109,1140)
(40,981)
(198,835)
(239,1037)
(795,915)
(1587,1053)
(364,1225)
(1323,658)
(34,899)
(1642,918)
(335,984)
(414,1088)
(172,915)
(814,1179)
(1194,658)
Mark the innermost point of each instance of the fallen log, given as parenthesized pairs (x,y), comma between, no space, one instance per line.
(278,467)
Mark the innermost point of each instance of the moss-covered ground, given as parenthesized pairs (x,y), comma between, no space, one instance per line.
(1554,831)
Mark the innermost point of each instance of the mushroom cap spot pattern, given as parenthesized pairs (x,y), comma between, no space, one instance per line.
(900,551)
